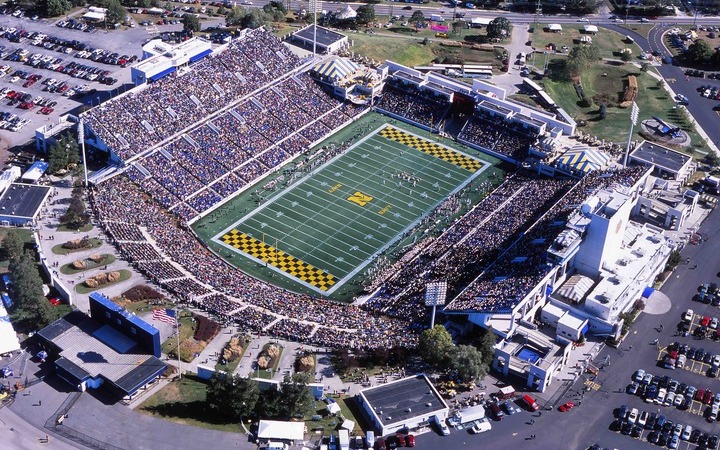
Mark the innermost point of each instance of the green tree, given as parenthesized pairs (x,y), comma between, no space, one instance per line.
(435,346)
(27,291)
(602,111)
(417,18)
(468,363)
(275,10)
(499,27)
(235,16)
(486,345)
(581,57)
(625,56)
(255,18)
(269,404)
(191,23)
(64,152)
(53,8)
(699,52)
(232,397)
(713,159)
(12,246)
(674,260)
(296,399)
(116,13)
(365,14)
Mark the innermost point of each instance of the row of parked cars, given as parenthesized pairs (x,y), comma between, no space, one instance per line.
(10,121)
(668,392)
(678,354)
(700,74)
(48,62)
(73,24)
(662,432)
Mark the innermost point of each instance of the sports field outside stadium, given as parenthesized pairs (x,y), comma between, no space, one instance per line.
(323,230)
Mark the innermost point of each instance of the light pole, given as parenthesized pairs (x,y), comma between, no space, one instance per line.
(633,121)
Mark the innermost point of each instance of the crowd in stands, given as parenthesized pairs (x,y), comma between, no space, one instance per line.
(120,200)
(470,244)
(521,268)
(134,122)
(423,111)
(503,138)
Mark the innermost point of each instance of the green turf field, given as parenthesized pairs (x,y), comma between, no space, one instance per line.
(326,228)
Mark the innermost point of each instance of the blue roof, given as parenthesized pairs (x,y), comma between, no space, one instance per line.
(131,318)
(200,55)
(161,74)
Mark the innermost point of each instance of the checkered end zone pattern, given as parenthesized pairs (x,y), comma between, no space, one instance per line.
(278,258)
(431,148)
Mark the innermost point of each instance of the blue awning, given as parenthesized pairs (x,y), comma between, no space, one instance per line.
(648,292)
(159,75)
(200,55)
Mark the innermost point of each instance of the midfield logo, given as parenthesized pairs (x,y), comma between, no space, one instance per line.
(360,198)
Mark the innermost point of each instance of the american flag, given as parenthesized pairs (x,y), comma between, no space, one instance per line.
(164,315)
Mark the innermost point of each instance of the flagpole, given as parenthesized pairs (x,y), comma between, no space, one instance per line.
(177,333)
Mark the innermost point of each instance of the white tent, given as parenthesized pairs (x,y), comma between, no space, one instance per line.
(591,28)
(480,21)
(8,338)
(348,425)
(333,408)
(275,429)
(555,27)
(346,13)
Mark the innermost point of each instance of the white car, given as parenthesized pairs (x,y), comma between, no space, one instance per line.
(716,361)
(582,19)
(714,323)
(670,399)
(686,433)
(660,399)
(246,2)
(481,426)
(689,314)
(639,375)
(633,416)
(678,400)
(642,420)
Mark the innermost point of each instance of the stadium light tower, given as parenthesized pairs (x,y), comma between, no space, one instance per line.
(81,138)
(315,6)
(435,294)
(633,121)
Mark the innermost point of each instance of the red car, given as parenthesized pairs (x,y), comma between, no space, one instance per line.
(567,406)
(708,399)
(55,301)
(11,94)
(410,440)
(380,445)
(399,440)
(705,321)
(699,395)
(46,110)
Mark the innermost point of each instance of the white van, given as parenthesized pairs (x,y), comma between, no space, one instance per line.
(370,439)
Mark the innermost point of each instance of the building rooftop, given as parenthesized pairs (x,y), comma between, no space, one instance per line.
(663,157)
(402,399)
(23,200)
(88,348)
(325,37)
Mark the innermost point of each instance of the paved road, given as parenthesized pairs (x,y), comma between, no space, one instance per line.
(699,107)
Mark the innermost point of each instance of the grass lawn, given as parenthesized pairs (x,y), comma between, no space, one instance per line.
(652,101)
(407,48)
(60,250)
(82,288)
(270,371)
(83,229)
(329,423)
(607,41)
(186,330)
(68,269)
(183,401)
(141,306)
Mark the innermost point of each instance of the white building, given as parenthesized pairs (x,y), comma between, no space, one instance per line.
(161,58)
(410,403)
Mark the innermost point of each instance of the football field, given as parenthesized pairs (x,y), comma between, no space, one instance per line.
(328,226)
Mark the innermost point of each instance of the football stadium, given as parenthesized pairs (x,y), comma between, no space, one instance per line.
(263,187)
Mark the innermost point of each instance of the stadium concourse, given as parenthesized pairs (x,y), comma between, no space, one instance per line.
(234,117)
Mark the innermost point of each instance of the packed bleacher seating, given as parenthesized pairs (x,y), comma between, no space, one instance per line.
(412,106)
(509,279)
(120,200)
(134,122)
(504,138)
(467,247)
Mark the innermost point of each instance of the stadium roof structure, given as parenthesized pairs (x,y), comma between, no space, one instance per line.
(667,159)
(327,40)
(89,350)
(336,68)
(583,159)
(403,399)
(21,203)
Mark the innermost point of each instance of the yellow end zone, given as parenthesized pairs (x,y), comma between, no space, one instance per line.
(431,148)
(279,259)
